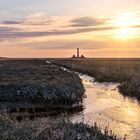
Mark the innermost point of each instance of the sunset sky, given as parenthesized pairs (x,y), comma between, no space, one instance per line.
(55,28)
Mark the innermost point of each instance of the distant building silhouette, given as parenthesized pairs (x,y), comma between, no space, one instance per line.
(73,56)
(78,54)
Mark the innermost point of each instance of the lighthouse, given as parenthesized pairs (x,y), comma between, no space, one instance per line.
(78,54)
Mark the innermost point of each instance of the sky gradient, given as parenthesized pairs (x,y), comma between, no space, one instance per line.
(44,28)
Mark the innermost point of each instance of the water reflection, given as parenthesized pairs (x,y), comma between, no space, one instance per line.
(105,105)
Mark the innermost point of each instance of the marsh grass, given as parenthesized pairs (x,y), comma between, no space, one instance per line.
(50,129)
(34,83)
(124,71)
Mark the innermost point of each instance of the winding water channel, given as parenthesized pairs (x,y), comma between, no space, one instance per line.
(106,106)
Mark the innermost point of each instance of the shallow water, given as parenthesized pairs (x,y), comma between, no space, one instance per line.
(106,106)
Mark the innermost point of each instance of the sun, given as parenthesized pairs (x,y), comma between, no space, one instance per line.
(125,26)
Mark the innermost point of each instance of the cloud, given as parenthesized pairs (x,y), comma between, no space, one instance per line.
(11,22)
(8,30)
(38,19)
(1,40)
(53,26)
(16,33)
(86,21)
(33,19)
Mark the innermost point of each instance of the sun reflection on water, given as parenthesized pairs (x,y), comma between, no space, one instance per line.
(106,106)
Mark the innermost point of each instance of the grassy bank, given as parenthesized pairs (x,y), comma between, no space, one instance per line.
(50,129)
(124,71)
(33,83)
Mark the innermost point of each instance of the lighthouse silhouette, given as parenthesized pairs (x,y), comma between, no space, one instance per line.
(78,54)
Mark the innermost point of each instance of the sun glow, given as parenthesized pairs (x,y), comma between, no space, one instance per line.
(125,20)
(125,23)
(125,33)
